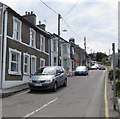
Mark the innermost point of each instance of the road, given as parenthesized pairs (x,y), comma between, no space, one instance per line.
(83,97)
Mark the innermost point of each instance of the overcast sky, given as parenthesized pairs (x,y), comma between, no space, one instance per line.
(97,20)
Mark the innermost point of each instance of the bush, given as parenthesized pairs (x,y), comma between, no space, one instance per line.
(118,88)
(117,74)
(117,77)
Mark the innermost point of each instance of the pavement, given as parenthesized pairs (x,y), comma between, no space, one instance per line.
(11,91)
(111,111)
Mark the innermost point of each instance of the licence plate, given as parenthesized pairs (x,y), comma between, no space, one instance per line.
(38,84)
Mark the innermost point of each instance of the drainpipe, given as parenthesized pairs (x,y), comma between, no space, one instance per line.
(3,46)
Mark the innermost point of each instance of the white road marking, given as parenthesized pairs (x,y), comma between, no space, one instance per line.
(45,105)
(20,93)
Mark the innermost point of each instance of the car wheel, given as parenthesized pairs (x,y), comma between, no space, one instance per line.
(65,82)
(54,87)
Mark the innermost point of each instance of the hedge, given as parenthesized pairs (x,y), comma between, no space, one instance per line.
(117,77)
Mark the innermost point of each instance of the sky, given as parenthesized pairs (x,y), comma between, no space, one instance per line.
(97,20)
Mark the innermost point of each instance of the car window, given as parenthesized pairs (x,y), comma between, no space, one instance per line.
(81,68)
(46,71)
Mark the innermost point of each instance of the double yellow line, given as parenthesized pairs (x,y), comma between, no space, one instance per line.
(106,100)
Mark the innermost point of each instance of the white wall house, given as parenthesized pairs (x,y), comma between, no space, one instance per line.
(65,57)
(54,52)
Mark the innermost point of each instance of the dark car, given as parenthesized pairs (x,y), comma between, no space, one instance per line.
(49,77)
(81,70)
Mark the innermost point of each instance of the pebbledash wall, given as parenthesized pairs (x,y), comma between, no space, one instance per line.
(23,47)
(1,17)
(119,34)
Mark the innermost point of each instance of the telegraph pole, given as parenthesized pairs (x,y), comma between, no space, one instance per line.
(59,16)
(114,82)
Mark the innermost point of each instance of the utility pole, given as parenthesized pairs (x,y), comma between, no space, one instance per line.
(59,16)
(114,82)
(85,49)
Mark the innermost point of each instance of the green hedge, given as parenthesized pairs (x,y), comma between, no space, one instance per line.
(117,77)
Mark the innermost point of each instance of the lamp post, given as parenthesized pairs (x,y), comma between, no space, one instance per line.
(114,82)
(59,17)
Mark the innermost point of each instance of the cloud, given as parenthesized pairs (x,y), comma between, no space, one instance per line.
(96,19)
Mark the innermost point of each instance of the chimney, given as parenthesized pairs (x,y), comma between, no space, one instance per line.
(42,26)
(72,40)
(31,17)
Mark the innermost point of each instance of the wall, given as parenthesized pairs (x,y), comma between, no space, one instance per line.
(0,44)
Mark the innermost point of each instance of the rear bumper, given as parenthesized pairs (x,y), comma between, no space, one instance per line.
(81,73)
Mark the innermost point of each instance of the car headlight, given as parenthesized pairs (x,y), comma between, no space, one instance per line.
(48,81)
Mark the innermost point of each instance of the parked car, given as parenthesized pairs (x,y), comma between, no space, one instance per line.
(49,77)
(95,67)
(81,70)
(102,67)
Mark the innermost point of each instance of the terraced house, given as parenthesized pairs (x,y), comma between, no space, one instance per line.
(23,46)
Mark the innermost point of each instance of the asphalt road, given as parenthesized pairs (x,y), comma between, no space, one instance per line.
(83,97)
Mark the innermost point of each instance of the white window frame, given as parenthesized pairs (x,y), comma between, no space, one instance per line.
(33,39)
(42,60)
(54,45)
(10,61)
(33,56)
(16,20)
(42,43)
(26,64)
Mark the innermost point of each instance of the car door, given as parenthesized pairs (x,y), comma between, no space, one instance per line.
(62,75)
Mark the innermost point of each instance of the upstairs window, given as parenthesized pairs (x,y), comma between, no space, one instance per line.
(42,43)
(65,50)
(54,45)
(17,29)
(32,38)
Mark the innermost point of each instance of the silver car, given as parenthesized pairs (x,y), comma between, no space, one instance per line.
(81,70)
(49,77)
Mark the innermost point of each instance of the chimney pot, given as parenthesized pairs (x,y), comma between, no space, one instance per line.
(39,22)
(26,13)
(31,12)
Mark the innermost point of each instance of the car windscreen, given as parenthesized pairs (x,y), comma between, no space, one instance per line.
(46,71)
(80,68)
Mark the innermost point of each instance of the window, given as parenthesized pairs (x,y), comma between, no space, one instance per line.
(55,62)
(26,65)
(33,64)
(14,62)
(32,38)
(17,29)
(54,45)
(42,43)
(65,49)
(42,62)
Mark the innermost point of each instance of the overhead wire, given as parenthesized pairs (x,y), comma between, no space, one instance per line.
(49,7)
(69,27)
(62,16)
(71,8)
